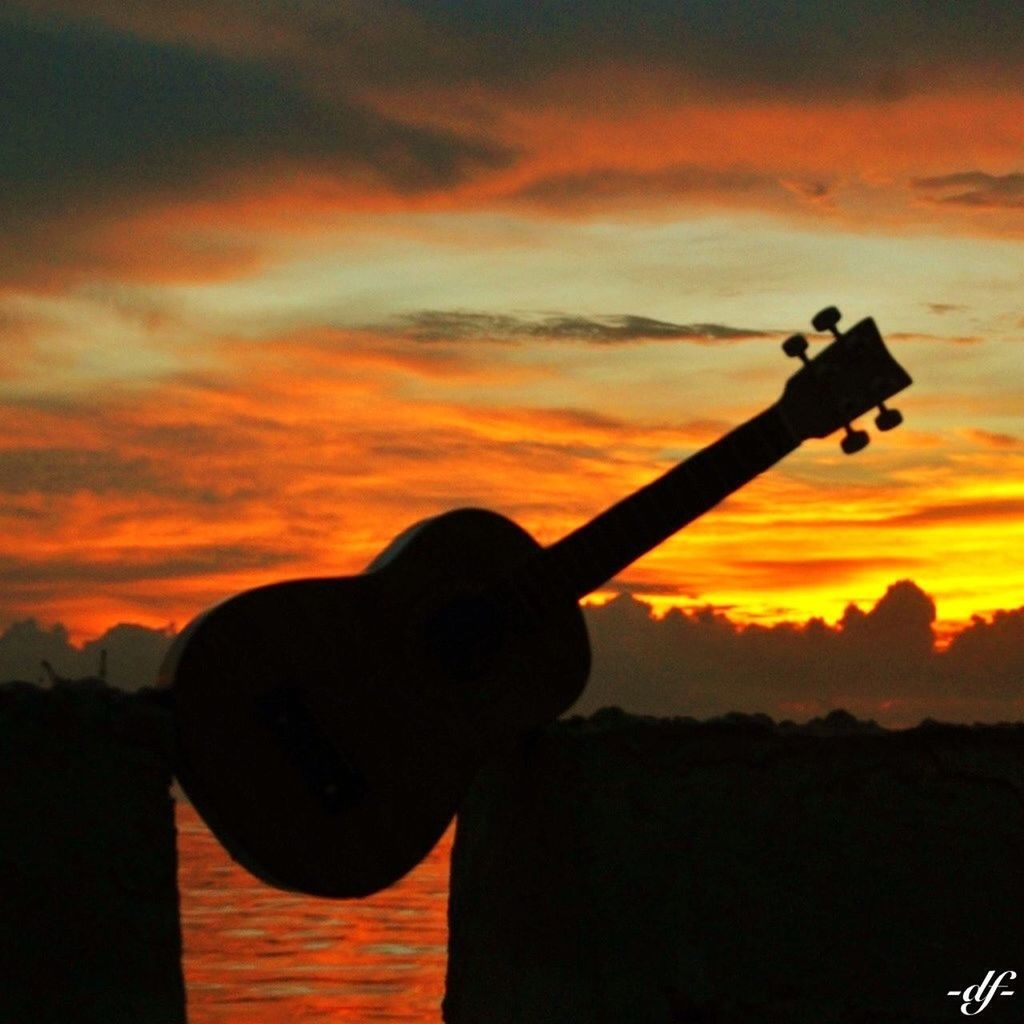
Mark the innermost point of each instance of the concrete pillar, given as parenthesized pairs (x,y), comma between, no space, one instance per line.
(89,926)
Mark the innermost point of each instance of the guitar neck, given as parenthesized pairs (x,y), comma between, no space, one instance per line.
(598,550)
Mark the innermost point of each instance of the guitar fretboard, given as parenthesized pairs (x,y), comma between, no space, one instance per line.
(603,547)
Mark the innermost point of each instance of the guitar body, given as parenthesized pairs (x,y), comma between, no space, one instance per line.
(327,729)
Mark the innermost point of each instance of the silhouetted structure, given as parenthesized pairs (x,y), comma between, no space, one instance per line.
(651,870)
(89,927)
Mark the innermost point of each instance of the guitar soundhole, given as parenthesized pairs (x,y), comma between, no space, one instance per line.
(330,775)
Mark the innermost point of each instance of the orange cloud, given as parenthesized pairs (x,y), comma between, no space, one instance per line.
(975,188)
(993,439)
(305,454)
(854,163)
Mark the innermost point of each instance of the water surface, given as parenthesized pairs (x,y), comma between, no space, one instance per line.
(257,955)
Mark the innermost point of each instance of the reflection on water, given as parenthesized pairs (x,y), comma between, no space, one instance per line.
(257,955)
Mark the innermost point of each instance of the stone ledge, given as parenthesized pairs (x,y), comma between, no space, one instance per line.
(651,870)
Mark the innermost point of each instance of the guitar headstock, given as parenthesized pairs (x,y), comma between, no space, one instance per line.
(853,375)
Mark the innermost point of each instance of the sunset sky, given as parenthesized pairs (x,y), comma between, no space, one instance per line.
(279,278)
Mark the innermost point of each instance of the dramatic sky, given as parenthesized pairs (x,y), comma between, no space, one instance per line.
(278,278)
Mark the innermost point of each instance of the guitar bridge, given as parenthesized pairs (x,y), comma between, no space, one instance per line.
(330,775)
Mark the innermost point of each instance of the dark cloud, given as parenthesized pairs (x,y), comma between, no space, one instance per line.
(458,325)
(133,653)
(975,189)
(983,510)
(991,655)
(25,576)
(877,48)
(952,339)
(607,185)
(945,307)
(882,663)
(587,418)
(766,571)
(632,587)
(96,120)
(92,109)
(64,471)
(110,110)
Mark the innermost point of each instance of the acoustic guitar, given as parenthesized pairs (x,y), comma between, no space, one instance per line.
(327,729)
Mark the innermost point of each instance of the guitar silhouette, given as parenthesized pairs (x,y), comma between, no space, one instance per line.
(327,729)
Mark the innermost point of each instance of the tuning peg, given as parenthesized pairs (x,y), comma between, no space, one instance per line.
(887,419)
(855,440)
(827,320)
(796,347)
